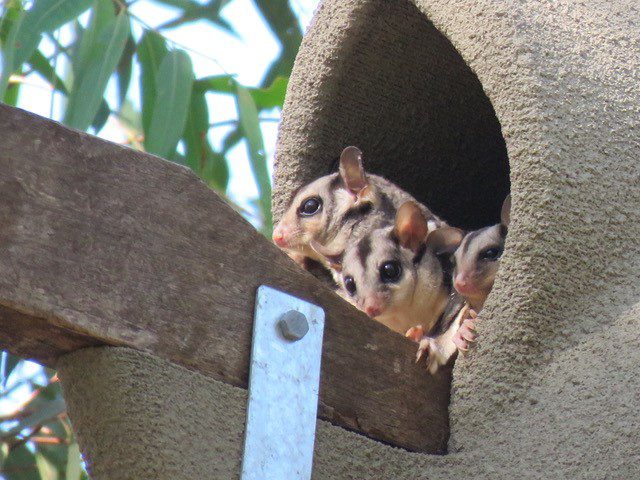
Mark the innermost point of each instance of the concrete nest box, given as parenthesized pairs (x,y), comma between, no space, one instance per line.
(459,102)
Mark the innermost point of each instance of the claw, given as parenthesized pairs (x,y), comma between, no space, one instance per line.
(467,332)
(423,347)
(415,333)
(462,345)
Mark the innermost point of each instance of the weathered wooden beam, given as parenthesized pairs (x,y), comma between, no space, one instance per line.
(104,245)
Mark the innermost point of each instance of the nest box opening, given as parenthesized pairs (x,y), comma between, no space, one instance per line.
(396,87)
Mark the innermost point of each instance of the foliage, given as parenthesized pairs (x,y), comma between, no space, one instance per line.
(171,119)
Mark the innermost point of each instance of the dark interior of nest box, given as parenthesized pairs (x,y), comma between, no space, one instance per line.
(407,98)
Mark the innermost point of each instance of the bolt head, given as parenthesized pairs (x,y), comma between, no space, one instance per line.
(293,325)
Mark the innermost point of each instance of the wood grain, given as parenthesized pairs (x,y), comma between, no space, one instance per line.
(101,244)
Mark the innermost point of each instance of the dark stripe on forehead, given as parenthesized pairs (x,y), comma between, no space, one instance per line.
(469,239)
(446,262)
(420,254)
(335,183)
(356,213)
(394,238)
(386,205)
(363,251)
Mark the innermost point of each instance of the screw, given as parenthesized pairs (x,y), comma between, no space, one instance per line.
(293,325)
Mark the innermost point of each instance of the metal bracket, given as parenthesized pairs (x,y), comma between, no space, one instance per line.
(283,387)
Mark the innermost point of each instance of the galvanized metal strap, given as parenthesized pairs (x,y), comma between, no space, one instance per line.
(284,380)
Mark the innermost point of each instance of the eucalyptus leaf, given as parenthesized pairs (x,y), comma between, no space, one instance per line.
(86,48)
(9,363)
(12,15)
(216,83)
(20,465)
(101,117)
(74,465)
(91,82)
(151,51)
(231,140)
(41,65)
(195,132)
(26,30)
(173,94)
(193,11)
(41,413)
(12,94)
(125,67)
(264,98)
(200,157)
(47,470)
(248,113)
(271,97)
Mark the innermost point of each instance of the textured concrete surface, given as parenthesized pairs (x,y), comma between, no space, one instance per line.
(139,417)
(552,390)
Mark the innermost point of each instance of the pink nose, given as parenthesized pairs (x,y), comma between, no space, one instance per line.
(373,308)
(372,311)
(461,283)
(279,238)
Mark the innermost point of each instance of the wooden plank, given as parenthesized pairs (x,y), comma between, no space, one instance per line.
(100,244)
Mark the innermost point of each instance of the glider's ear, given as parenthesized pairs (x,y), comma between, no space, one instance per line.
(352,171)
(411,227)
(445,240)
(505,214)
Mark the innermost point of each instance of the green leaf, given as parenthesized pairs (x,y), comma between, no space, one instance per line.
(216,83)
(250,124)
(264,98)
(125,66)
(130,116)
(231,140)
(41,65)
(12,94)
(151,51)
(273,96)
(12,15)
(200,157)
(101,117)
(174,84)
(26,30)
(47,470)
(91,82)
(4,452)
(9,363)
(102,16)
(47,405)
(74,466)
(20,465)
(56,454)
(193,11)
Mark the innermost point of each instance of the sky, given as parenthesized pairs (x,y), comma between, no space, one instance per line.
(212,52)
